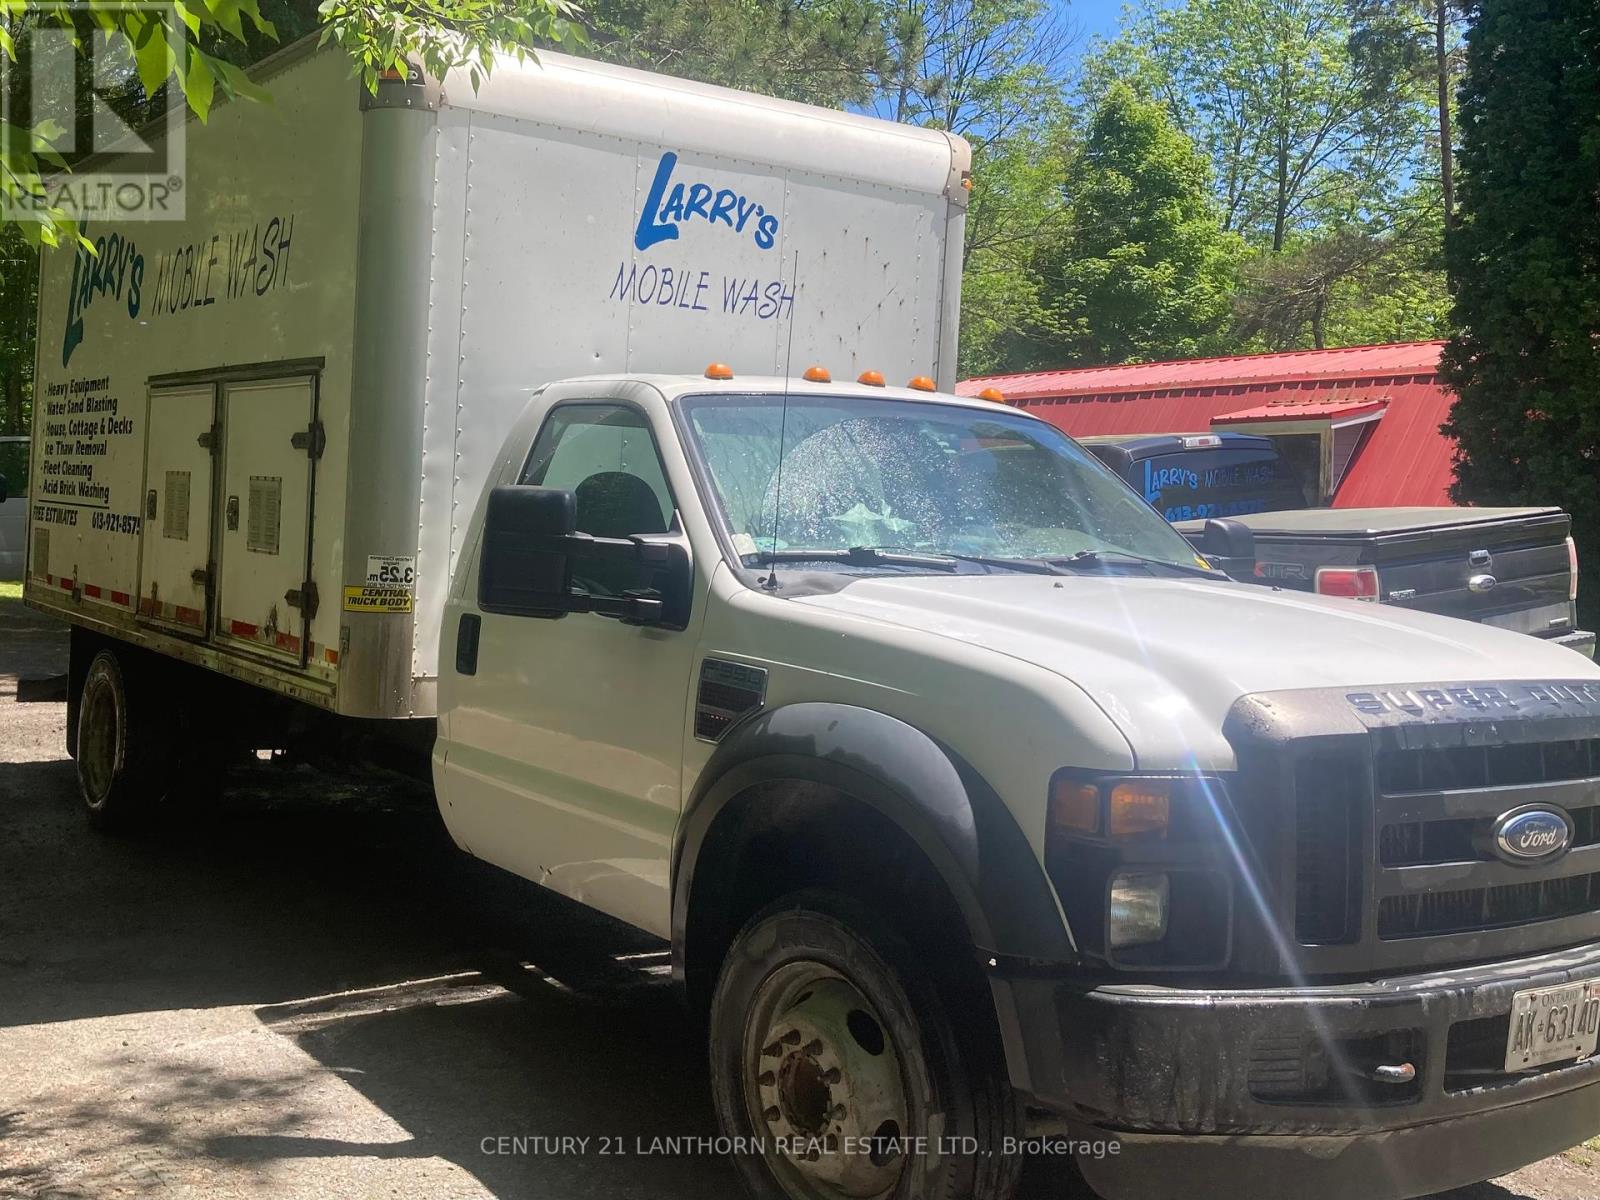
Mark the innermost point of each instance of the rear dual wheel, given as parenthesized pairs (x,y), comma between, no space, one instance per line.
(838,1073)
(124,750)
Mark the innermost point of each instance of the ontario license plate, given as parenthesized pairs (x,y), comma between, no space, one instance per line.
(1553,1024)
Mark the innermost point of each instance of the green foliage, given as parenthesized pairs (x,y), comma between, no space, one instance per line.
(1524,264)
(1145,270)
(444,35)
(19,272)
(814,51)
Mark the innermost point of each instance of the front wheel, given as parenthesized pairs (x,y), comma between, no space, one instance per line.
(837,1072)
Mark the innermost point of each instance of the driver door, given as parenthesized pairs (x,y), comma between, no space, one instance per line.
(566,743)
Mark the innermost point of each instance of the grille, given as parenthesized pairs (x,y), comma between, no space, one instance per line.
(1327,835)
(1419,843)
(1488,907)
(1461,767)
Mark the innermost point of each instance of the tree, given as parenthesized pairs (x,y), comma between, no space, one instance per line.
(1524,265)
(1145,270)
(1299,131)
(18,280)
(1397,41)
(1347,286)
(814,51)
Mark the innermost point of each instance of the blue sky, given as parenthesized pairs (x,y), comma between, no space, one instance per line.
(1092,16)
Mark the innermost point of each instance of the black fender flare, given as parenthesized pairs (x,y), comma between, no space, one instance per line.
(947,809)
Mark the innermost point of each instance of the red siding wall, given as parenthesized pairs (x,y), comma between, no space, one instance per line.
(1405,461)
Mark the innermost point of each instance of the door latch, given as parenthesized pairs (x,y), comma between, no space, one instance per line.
(233,514)
(150,505)
(201,576)
(211,439)
(304,598)
(312,439)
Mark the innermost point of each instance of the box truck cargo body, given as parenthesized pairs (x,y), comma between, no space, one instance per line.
(261,430)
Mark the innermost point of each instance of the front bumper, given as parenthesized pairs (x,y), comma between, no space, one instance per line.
(1199,1086)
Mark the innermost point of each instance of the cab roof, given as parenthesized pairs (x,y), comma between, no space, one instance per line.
(676,387)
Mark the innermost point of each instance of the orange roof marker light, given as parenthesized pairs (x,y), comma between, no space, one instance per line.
(719,371)
(922,384)
(994,394)
(818,375)
(871,378)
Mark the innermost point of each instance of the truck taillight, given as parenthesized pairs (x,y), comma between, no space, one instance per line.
(1572,570)
(1353,583)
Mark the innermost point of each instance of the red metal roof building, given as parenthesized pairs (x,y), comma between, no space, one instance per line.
(1375,409)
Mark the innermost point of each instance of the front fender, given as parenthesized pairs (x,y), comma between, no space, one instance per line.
(948,810)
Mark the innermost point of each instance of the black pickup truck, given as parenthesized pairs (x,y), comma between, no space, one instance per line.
(1511,567)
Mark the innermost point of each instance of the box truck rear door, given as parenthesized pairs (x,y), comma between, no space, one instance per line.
(175,536)
(264,603)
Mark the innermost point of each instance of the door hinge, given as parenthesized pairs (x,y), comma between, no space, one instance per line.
(312,439)
(211,439)
(304,598)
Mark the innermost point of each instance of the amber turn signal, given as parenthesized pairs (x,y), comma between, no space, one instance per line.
(1075,805)
(1140,808)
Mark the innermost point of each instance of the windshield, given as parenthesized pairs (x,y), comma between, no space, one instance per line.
(931,478)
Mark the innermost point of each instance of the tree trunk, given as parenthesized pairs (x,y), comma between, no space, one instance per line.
(1319,312)
(1441,61)
(1280,210)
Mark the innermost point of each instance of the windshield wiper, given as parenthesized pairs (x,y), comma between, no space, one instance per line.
(861,556)
(938,560)
(1119,558)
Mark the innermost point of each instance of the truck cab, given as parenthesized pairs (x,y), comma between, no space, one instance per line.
(974,804)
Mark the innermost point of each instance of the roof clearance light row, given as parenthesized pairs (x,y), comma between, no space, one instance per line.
(818,374)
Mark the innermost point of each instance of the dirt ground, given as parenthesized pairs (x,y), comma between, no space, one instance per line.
(306,992)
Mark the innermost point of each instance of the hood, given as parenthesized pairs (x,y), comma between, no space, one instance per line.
(1166,658)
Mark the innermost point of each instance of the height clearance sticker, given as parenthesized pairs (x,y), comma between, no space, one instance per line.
(371,597)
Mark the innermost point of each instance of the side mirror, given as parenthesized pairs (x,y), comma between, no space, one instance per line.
(532,556)
(526,570)
(1230,545)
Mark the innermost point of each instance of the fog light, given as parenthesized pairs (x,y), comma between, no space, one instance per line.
(1138,909)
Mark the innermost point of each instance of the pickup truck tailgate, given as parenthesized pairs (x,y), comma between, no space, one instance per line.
(1502,566)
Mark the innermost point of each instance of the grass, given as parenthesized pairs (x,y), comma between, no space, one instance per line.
(1584,1155)
(10,589)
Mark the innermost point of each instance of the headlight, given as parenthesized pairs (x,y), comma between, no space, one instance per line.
(1138,910)
(1143,866)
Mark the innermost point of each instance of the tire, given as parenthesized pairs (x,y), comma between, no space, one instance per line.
(827,1041)
(123,751)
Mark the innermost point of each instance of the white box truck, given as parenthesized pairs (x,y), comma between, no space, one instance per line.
(971,802)
(262,429)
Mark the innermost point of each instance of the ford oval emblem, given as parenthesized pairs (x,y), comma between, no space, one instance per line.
(1532,835)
